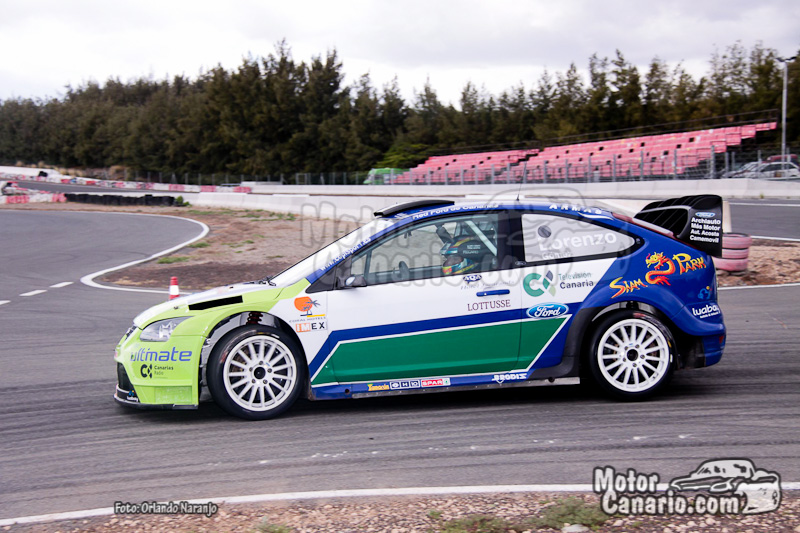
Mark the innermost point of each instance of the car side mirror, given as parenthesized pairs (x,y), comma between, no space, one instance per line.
(354,281)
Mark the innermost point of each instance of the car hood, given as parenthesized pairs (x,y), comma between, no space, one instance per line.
(180,306)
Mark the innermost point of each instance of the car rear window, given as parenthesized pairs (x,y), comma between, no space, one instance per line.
(548,237)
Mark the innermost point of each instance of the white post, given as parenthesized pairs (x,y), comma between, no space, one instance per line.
(785,61)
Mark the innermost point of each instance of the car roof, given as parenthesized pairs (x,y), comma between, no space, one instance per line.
(432,207)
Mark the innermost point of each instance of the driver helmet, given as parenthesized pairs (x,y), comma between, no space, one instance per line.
(454,262)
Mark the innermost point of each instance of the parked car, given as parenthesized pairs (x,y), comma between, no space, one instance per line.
(9,188)
(767,170)
(383,176)
(791,158)
(436,296)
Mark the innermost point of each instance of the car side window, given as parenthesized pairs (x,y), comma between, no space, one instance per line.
(548,237)
(430,249)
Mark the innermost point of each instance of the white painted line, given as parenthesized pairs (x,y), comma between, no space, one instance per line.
(62,284)
(764,205)
(3,302)
(759,286)
(89,278)
(352,493)
(775,238)
(33,293)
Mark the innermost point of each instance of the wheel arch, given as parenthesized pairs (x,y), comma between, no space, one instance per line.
(240,319)
(579,337)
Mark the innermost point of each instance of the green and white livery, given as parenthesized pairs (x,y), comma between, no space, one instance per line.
(431,296)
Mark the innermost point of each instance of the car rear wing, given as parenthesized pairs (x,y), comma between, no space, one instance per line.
(695,220)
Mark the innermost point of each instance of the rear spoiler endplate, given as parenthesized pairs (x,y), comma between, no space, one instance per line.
(694,220)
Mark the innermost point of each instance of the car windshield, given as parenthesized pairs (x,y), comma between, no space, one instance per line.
(323,257)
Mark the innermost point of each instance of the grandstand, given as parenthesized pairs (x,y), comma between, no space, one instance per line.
(685,155)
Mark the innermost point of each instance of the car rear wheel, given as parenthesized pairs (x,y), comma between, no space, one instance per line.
(255,372)
(632,354)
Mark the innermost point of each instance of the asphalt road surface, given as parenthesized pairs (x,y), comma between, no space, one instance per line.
(772,218)
(68,446)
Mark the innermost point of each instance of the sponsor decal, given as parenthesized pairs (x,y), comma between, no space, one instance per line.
(624,287)
(151,370)
(472,278)
(575,280)
(143,354)
(439,382)
(661,268)
(409,384)
(475,284)
(551,310)
(383,386)
(576,209)
(720,487)
(705,227)
(487,305)
(705,294)
(568,243)
(687,263)
(536,285)
(453,209)
(303,327)
(305,305)
(515,376)
(706,311)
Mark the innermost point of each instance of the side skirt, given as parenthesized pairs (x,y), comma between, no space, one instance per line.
(343,391)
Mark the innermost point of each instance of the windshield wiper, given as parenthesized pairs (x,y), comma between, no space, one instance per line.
(262,281)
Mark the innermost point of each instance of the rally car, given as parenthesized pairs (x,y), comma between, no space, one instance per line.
(436,296)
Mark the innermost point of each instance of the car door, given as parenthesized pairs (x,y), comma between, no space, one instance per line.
(438,300)
(564,257)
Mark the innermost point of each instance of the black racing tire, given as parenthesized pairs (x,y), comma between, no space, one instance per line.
(256,372)
(632,354)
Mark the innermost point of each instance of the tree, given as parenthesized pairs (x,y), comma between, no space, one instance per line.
(626,97)
(657,93)
(598,96)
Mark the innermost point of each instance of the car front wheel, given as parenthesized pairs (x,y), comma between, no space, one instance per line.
(632,355)
(255,372)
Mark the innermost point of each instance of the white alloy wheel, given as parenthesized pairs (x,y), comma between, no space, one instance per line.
(632,357)
(260,373)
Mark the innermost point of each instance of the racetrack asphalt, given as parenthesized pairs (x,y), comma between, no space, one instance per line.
(68,446)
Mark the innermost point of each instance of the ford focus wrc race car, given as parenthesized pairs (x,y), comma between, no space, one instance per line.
(436,296)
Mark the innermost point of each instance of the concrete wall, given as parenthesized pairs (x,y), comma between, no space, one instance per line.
(727,188)
(362,208)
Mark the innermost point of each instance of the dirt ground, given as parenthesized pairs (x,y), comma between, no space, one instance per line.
(490,513)
(244,245)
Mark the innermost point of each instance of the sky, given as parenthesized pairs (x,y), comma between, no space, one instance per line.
(47,45)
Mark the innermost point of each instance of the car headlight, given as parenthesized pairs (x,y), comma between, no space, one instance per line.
(161,330)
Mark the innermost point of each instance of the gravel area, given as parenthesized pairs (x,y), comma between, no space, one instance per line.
(494,512)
